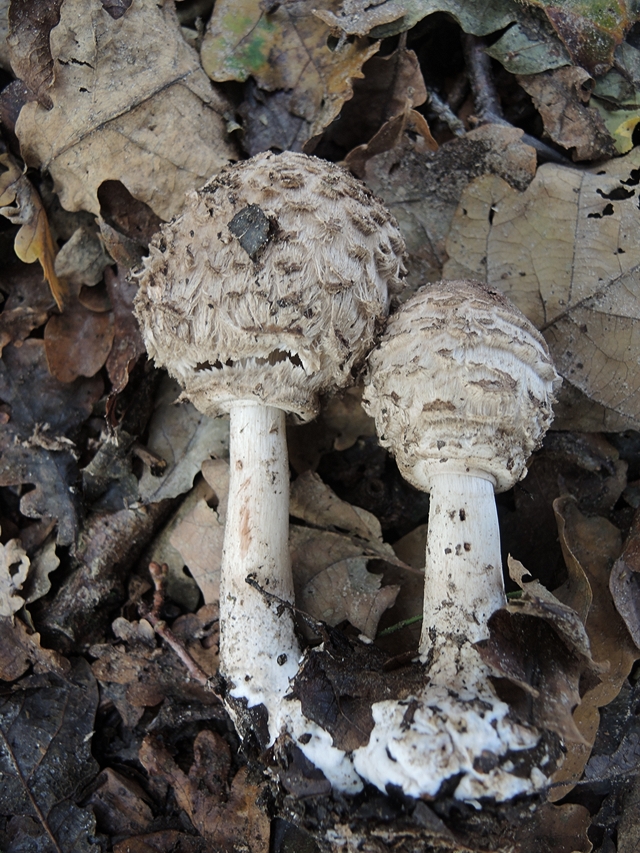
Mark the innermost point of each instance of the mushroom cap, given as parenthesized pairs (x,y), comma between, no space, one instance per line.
(461,382)
(271,284)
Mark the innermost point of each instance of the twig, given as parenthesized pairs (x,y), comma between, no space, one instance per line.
(444,112)
(159,576)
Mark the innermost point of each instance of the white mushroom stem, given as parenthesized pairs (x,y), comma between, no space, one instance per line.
(259,651)
(463,569)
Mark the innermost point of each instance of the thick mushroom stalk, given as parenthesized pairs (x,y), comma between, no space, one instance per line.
(461,388)
(264,294)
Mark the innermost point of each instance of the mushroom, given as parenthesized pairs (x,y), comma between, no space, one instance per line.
(264,294)
(461,388)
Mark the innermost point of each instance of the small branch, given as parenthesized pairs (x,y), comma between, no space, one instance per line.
(444,112)
(159,576)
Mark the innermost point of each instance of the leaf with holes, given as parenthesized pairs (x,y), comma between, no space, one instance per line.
(566,252)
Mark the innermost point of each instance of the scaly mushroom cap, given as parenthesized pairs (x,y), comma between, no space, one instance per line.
(462,379)
(271,285)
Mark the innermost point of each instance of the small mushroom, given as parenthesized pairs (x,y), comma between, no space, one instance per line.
(265,293)
(461,388)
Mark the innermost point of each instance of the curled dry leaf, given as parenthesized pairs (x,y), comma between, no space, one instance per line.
(565,252)
(20,648)
(561,96)
(160,131)
(595,543)
(624,582)
(20,203)
(14,567)
(285,47)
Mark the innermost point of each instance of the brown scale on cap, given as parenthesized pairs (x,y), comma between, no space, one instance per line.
(271,285)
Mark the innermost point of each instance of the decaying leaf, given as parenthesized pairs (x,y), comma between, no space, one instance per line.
(561,829)
(561,96)
(45,759)
(227,816)
(78,342)
(28,299)
(119,804)
(617,96)
(596,544)
(590,30)
(127,341)
(82,259)
(285,46)
(624,582)
(20,203)
(160,130)
(184,438)
(14,567)
(36,447)
(422,190)
(44,561)
(565,251)
(30,23)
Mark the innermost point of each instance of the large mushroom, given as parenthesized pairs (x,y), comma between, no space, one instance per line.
(461,388)
(264,294)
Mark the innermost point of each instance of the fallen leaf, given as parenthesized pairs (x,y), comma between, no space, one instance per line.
(165,841)
(565,252)
(624,582)
(45,758)
(199,534)
(390,17)
(345,419)
(127,341)
(561,829)
(529,46)
(21,205)
(285,47)
(390,84)
(14,567)
(43,563)
(30,455)
(629,827)
(184,438)
(226,816)
(30,24)
(617,96)
(82,259)
(28,299)
(78,342)
(20,648)
(561,96)
(422,190)
(595,544)
(160,131)
(119,804)
(590,30)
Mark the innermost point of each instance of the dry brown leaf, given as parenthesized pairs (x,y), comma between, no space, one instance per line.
(82,259)
(423,190)
(78,342)
(28,299)
(160,130)
(119,804)
(284,46)
(565,251)
(21,205)
(345,419)
(20,648)
(127,340)
(199,535)
(561,829)
(30,23)
(561,97)
(595,543)
(226,817)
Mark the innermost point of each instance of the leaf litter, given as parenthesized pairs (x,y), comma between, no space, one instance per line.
(103,472)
